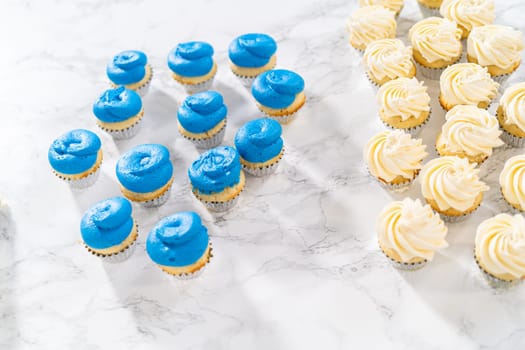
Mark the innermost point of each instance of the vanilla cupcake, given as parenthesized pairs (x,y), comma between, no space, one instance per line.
(436,44)
(394,158)
(370,23)
(388,59)
(404,104)
(511,115)
(392,5)
(468,14)
(452,187)
(409,233)
(469,132)
(499,249)
(429,8)
(496,47)
(512,182)
(466,84)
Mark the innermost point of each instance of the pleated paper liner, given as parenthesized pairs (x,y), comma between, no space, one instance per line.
(126,133)
(433,73)
(195,274)
(119,256)
(157,202)
(83,183)
(508,206)
(512,140)
(200,87)
(263,171)
(400,187)
(403,265)
(413,131)
(219,206)
(209,142)
(428,11)
(457,218)
(494,281)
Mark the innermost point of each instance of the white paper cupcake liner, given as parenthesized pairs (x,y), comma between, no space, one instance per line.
(83,183)
(433,73)
(210,142)
(455,219)
(413,131)
(264,171)
(493,281)
(284,119)
(501,79)
(374,85)
(510,208)
(120,256)
(245,80)
(403,265)
(198,273)
(157,202)
(124,134)
(200,87)
(428,11)
(512,140)
(398,188)
(220,206)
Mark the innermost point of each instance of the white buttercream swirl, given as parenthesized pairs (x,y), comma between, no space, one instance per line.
(468,13)
(496,45)
(436,39)
(394,5)
(467,84)
(390,154)
(451,182)
(500,245)
(371,23)
(513,104)
(411,229)
(403,97)
(388,58)
(512,180)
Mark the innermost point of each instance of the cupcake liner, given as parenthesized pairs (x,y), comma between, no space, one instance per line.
(501,79)
(395,187)
(512,140)
(157,202)
(83,183)
(374,85)
(220,206)
(195,274)
(454,219)
(126,133)
(510,208)
(403,265)
(283,119)
(428,11)
(264,171)
(434,73)
(209,142)
(246,81)
(144,89)
(413,131)
(492,280)
(200,87)
(120,256)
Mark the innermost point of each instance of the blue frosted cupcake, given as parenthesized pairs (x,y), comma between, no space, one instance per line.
(279,94)
(119,112)
(109,230)
(145,174)
(193,65)
(260,146)
(217,178)
(250,55)
(202,119)
(180,245)
(76,157)
(131,69)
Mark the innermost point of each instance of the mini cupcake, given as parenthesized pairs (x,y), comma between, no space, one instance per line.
(436,44)
(404,104)
(429,8)
(466,84)
(202,119)
(119,112)
(179,244)
(193,65)
(511,115)
(499,249)
(394,158)
(469,132)
(409,233)
(250,55)
(279,94)
(145,174)
(108,229)
(131,69)
(217,178)
(260,146)
(388,59)
(392,5)
(498,48)
(452,187)
(468,14)
(370,23)
(76,157)
(512,182)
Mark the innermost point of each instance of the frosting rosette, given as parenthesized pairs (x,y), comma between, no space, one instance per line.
(259,140)
(117,105)
(191,59)
(370,23)
(74,152)
(513,105)
(468,14)
(436,39)
(403,97)
(512,181)
(127,67)
(387,59)
(202,111)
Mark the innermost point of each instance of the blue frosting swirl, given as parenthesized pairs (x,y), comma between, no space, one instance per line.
(191,59)
(107,223)
(252,50)
(117,105)
(127,67)
(215,170)
(277,88)
(259,140)
(177,240)
(145,168)
(74,152)
(202,111)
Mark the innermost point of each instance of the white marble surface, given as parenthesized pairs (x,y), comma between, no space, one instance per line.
(296,263)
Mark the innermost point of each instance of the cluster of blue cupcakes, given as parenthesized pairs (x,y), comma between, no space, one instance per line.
(178,244)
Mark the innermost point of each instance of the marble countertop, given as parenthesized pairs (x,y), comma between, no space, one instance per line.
(296,263)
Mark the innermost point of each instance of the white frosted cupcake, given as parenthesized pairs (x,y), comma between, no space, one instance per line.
(468,14)
(436,44)
(469,132)
(404,104)
(511,115)
(409,233)
(392,5)
(394,158)
(500,249)
(452,187)
(496,47)
(388,59)
(370,23)
(466,84)
(512,182)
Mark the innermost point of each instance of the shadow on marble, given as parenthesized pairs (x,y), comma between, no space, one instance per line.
(8,312)
(105,185)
